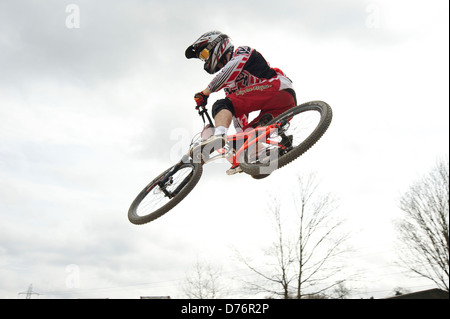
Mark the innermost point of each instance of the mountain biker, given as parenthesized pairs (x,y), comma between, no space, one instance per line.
(250,84)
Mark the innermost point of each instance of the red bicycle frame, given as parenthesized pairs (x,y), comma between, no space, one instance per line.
(262,134)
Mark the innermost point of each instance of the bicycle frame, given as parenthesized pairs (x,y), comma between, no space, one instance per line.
(252,138)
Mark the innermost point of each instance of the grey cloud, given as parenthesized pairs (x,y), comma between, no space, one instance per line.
(118,38)
(37,44)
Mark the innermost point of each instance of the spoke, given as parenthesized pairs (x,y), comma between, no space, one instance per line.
(302,125)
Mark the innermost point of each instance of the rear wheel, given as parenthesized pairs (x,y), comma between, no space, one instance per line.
(164,192)
(302,126)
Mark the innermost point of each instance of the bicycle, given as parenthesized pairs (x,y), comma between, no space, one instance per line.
(258,152)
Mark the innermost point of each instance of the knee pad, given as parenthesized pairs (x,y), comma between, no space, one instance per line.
(223,104)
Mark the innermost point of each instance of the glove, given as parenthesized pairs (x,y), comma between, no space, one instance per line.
(201,99)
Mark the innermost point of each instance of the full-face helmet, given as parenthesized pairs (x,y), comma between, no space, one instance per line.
(212,48)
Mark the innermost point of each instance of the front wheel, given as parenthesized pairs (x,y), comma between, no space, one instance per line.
(300,128)
(164,192)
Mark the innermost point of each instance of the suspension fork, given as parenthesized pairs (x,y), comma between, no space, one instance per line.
(166,178)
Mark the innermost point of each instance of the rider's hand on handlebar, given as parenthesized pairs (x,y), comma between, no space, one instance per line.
(201,99)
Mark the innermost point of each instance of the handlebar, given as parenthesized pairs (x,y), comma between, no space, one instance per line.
(204,111)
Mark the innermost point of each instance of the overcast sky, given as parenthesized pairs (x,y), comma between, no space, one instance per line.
(91,110)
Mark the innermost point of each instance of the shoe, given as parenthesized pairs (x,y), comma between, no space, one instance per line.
(208,146)
(234,170)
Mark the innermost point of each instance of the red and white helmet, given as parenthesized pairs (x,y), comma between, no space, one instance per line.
(211,47)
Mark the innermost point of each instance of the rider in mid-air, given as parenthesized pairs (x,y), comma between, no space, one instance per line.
(250,84)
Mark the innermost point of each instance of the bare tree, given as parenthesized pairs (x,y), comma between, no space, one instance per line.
(423,231)
(203,282)
(303,257)
(341,291)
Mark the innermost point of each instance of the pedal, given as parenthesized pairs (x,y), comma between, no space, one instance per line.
(234,170)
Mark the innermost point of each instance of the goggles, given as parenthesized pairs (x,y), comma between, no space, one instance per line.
(204,55)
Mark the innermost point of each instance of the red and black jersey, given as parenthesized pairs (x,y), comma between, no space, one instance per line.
(245,68)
